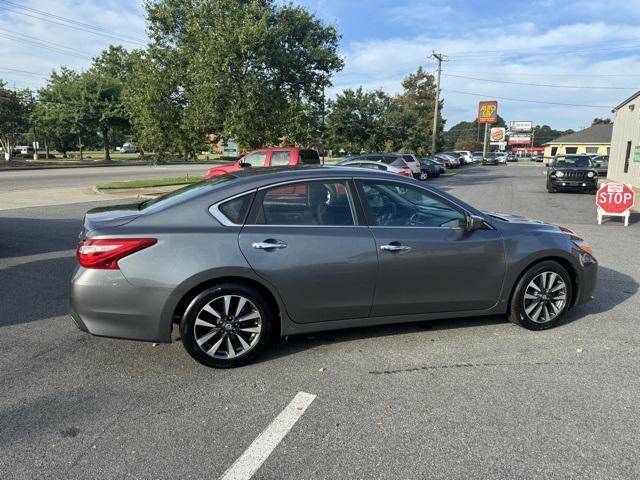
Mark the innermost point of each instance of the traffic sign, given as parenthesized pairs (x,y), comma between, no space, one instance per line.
(615,199)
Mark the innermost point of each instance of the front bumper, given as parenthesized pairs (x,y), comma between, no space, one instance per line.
(580,184)
(587,277)
(105,304)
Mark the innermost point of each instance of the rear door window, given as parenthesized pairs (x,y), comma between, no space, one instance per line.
(280,158)
(324,203)
(236,209)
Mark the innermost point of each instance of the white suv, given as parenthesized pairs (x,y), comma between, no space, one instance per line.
(466,156)
(412,161)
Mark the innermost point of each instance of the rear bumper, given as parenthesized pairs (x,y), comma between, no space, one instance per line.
(105,304)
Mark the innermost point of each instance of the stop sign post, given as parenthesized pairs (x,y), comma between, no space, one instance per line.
(615,200)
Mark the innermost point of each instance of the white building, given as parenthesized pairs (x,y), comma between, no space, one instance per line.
(624,159)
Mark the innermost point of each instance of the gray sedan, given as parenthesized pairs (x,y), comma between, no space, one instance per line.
(236,259)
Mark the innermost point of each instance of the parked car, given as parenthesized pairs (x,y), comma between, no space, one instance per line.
(129,148)
(511,157)
(427,171)
(601,164)
(465,156)
(477,156)
(495,158)
(438,166)
(454,161)
(395,159)
(398,166)
(456,156)
(241,257)
(24,149)
(572,172)
(413,163)
(268,157)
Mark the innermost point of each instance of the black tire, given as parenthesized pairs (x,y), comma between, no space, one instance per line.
(210,297)
(518,307)
(423,176)
(550,189)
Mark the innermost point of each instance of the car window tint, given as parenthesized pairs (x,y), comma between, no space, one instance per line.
(408,158)
(307,203)
(236,210)
(308,157)
(256,159)
(280,157)
(400,205)
(185,193)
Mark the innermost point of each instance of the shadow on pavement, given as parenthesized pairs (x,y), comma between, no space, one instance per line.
(613,289)
(29,236)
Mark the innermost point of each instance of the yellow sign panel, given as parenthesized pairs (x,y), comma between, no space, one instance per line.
(488,112)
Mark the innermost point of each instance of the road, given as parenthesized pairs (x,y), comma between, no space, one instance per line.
(86,177)
(462,399)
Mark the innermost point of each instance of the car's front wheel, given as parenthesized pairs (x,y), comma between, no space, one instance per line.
(227,325)
(541,297)
(423,176)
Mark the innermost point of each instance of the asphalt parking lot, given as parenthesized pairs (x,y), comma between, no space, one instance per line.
(465,398)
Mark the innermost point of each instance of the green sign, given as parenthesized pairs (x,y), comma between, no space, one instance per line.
(636,154)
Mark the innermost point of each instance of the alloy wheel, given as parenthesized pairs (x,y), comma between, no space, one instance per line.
(228,327)
(545,297)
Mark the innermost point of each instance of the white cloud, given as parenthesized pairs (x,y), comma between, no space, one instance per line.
(536,58)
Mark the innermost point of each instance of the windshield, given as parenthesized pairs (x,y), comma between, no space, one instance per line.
(185,193)
(572,162)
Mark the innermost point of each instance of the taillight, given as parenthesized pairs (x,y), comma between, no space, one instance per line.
(406,172)
(105,254)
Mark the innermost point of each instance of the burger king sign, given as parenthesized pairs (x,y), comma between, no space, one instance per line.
(498,134)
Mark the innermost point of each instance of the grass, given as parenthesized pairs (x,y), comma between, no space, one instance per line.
(147,183)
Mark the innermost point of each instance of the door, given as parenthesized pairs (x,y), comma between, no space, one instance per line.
(428,261)
(304,239)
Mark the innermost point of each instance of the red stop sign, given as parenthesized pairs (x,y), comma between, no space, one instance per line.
(615,197)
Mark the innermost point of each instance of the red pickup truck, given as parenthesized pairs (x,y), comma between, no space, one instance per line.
(268,157)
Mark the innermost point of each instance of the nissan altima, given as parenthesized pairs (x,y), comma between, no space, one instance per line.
(239,258)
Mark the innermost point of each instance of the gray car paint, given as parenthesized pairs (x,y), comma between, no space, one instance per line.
(323,281)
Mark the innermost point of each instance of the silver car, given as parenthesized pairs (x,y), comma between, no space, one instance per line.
(398,166)
(233,260)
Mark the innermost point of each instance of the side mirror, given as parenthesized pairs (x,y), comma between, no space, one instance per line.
(474,222)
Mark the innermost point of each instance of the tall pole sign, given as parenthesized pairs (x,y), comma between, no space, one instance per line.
(487,113)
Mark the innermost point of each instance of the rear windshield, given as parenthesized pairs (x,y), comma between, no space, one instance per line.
(185,193)
(408,158)
(572,162)
(309,157)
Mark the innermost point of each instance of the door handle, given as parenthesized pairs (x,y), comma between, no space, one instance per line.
(266,245)
(395,248)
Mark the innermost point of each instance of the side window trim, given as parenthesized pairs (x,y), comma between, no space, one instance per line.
(368,214)
(214,209)
(354,203)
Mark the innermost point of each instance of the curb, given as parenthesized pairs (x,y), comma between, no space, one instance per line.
(107,165)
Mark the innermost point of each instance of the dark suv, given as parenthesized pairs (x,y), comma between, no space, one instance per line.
(572,172)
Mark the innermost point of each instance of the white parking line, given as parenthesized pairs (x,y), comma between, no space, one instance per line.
(254,456)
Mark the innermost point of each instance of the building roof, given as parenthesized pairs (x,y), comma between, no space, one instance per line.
(599,134)
(630,99)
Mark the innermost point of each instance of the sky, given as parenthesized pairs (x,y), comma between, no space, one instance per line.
(554,62)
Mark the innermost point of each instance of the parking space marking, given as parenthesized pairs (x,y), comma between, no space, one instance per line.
(253,457)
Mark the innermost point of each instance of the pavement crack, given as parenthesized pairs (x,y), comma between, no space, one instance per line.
(464,365)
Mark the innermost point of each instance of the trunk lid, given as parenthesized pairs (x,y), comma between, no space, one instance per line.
(108,217)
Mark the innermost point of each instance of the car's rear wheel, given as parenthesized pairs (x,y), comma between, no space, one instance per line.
(227,325)
(541,297)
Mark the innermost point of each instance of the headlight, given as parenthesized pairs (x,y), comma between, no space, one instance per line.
(591,174)
(560,174)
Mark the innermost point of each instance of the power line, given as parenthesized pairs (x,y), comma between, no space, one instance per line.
(543,50)
(541,84)
(527,100)
(527,74)
(23,72)
(75,27)
(46,45)
(69,20)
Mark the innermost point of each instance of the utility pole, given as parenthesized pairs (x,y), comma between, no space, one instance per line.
(440,58)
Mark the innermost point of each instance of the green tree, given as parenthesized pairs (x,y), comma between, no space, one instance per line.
(467,131)
(601,121)
(14,117)
(243,69)
(356,121)
(543,134)
(414,110)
